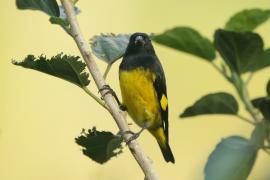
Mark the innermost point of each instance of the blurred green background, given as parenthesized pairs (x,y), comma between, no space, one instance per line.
(41,115)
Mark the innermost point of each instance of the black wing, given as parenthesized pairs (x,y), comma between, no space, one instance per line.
(160,87)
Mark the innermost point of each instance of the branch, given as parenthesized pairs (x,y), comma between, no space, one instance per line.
(244,96)
(107,71)
(241,88)
(245,119)
(95,97)
(137,152)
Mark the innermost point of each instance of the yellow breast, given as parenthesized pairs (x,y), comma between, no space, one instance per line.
(139,96)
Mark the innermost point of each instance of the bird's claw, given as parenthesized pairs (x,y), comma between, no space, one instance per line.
(134,135)
(109,90)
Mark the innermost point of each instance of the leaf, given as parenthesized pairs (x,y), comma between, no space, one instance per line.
(66,67)
(100,146)
(217,103)
(62,19)
(232,159)
(50,7)
(240,50)
(268,88)
(59,21)
(63,14)
(258,135)
(247,20)
(109,47)
(261,62)
(188,40)
(263,104)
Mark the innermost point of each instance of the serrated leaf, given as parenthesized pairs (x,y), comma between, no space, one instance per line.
(240,50)
(232,159)
(217,103)
(258,135)
(109,47)
(100,146)
(247,20)
(187,40)
(50,7)
(263,104)
(69,68)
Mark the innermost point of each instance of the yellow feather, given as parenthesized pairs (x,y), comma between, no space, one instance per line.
(160,136)
(163,102)
(140,98)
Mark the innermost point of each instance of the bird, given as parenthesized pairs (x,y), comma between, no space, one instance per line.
(143,89)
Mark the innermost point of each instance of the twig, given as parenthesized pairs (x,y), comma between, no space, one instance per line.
(250,76)
(242,91)
(108,68)
(95,97)
(249,106)
(134,147)
(265,150)
(245,119)
(220,71)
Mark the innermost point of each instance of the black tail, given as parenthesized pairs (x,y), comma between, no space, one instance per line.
(167,153)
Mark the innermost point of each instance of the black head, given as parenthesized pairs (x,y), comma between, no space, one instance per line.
(139,43)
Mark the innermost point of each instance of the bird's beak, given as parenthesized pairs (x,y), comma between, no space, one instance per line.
(139,40)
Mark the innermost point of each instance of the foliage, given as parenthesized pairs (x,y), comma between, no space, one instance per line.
(49,7)
(110,47)
(247,20)
(188,40)
(100,146)
(218,103)
(242,51)
(65,67)
(232,159)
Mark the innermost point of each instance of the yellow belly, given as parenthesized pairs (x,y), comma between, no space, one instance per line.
(140,98)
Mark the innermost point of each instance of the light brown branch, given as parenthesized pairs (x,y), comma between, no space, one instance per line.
(134,147)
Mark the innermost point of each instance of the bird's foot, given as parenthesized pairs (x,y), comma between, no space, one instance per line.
(123,107)
(134,135)
(109,90)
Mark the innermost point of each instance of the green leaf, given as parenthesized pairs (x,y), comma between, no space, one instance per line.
(261,62)
(62,19)
(258,135)
(263,104)
(59,21)
(218,103)
(247,20)
(240,50)
(50,7)
(188,40)
(109,47)
(268,88)
(100,146)
(66,67)
(232,159)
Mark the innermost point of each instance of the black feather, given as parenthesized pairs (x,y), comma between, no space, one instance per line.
(143,56)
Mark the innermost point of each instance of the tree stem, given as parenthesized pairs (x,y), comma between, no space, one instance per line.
(107,71)
(95,98)
(134,147)
(241,88)
(244,95)
(245,119)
